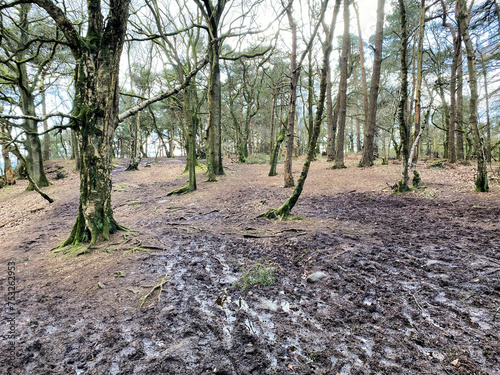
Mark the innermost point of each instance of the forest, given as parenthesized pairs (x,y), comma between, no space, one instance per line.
(250,187)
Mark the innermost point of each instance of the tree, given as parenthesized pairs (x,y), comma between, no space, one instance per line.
(404,131)
(95,109)
(213,16)
(363,72)
(457,41)
(294,78)
(482,173)
(342,98)
(418,88)
(285,209)
(21,47)
(369,133)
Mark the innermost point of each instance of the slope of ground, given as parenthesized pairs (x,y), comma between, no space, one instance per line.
(412,281)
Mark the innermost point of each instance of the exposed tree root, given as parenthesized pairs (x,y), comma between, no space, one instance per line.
(82,234)
(158,288)
(183,190)
(278,213)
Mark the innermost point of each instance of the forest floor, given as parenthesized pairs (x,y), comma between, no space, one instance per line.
(412,281)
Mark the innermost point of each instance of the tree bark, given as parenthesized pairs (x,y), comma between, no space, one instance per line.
(482,173)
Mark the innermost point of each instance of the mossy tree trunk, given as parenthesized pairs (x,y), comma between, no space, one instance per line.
(95,108)
(482,173)
(404,131)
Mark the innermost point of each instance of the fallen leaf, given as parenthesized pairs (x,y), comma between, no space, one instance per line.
(455,362)
(290,367)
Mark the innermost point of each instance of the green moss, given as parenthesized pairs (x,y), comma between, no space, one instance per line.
(416,179)
(482,184)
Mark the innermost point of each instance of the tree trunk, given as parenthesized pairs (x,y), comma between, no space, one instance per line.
(27,103)
(482,173)
(75,145)
(460,104)
(342,101)
(46,136)
(190,130)
(271,120)
(487,99)
(5,136)
(457,41)
(96,111)
(418,89)
(288,176)
(363,77)
(33,145)
(369,136)
(276,150)
(214,157)
(404,131)
(331,124)
(135,141)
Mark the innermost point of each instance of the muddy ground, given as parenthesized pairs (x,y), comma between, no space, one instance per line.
(412,281)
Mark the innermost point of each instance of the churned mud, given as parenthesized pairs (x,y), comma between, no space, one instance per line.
(412,281)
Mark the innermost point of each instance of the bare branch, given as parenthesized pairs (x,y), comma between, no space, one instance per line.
(139,107)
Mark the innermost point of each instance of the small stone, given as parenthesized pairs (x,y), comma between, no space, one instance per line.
(268,305)
(315,277)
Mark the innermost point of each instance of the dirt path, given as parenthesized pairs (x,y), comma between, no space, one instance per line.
(412,282)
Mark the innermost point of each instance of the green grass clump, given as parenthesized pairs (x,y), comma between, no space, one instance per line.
(257,274)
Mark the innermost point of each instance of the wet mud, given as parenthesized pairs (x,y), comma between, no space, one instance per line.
(412,283)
